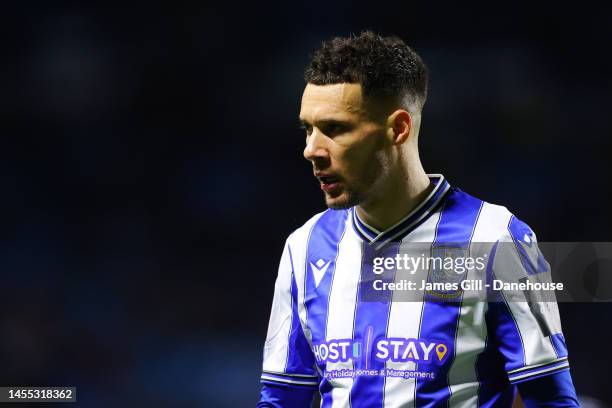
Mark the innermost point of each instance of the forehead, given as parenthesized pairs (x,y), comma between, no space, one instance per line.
(336,100)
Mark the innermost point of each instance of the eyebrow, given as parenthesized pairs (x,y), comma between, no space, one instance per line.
(323,122)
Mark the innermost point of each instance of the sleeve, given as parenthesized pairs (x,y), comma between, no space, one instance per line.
(285,396)
(524,324)
(288,361)
(555,390)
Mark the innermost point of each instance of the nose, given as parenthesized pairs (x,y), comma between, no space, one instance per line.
(315,149)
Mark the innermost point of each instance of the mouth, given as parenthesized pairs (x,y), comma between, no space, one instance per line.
(327,179)
(329,183)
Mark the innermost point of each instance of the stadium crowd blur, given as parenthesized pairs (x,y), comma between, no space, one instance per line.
(152,168)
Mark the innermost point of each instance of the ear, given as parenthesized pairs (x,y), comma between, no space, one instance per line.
(399,125)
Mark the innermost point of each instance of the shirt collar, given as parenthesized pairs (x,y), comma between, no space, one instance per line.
(404,226)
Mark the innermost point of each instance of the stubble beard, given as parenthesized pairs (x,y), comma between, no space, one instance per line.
(351,197)
(346,200)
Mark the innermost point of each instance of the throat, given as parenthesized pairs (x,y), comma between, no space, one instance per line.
(396,206)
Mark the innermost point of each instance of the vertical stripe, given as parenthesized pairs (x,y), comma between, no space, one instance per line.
(494,390)
(464,378)
(276,348)
(371,318)
(321,254)
(440,319)
(341,310)
(517,330)
(299,247)
(558,342)
(299,356)
(510,267)
(502,324)
(405,316)
(470,342)
(284,326)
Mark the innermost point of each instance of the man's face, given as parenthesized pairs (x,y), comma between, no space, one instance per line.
(344,143)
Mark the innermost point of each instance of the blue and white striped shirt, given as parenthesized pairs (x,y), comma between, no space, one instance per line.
(325,332)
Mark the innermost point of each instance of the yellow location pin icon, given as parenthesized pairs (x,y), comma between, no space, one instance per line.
(441,350)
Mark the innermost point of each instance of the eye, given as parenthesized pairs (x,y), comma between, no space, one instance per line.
(334,129)
(306,128)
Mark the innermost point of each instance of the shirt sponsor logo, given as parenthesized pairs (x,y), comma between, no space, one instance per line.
(384,349)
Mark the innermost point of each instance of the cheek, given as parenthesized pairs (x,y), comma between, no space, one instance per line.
(377,166)
(365,165)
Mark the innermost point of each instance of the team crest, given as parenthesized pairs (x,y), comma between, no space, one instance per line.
(444,280)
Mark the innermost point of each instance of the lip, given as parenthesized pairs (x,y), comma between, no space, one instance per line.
(330,182)
(330,187)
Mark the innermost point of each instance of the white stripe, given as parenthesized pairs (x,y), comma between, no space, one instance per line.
(283,380)
(471,329)
(509,268)
(519,377)
(518,370)
(341,308)
(276,346)
(290,375)
(470,341)
(405,316)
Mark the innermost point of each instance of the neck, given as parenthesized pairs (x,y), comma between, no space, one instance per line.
(402,194)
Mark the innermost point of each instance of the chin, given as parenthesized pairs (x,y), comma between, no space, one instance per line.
(342,201)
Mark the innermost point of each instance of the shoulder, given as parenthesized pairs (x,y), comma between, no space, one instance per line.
(328,222)
(495,222)
(324,229)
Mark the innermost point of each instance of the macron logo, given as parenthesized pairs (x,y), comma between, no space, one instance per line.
(318,270)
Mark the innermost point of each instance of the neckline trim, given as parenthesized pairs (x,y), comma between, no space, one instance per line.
(409,222)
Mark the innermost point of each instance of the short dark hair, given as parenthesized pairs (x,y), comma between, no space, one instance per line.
(384,66)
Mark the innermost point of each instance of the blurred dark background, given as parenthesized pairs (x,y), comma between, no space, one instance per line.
(151,168)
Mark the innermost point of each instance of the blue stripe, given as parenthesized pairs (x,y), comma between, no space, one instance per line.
(300,359)
(503,329)
(371,320)
(323,242)
(519,230)
(493,388)
(558,342)
(439,320)
(506,334)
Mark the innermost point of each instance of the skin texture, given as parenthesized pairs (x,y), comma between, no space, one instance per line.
(371,150)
